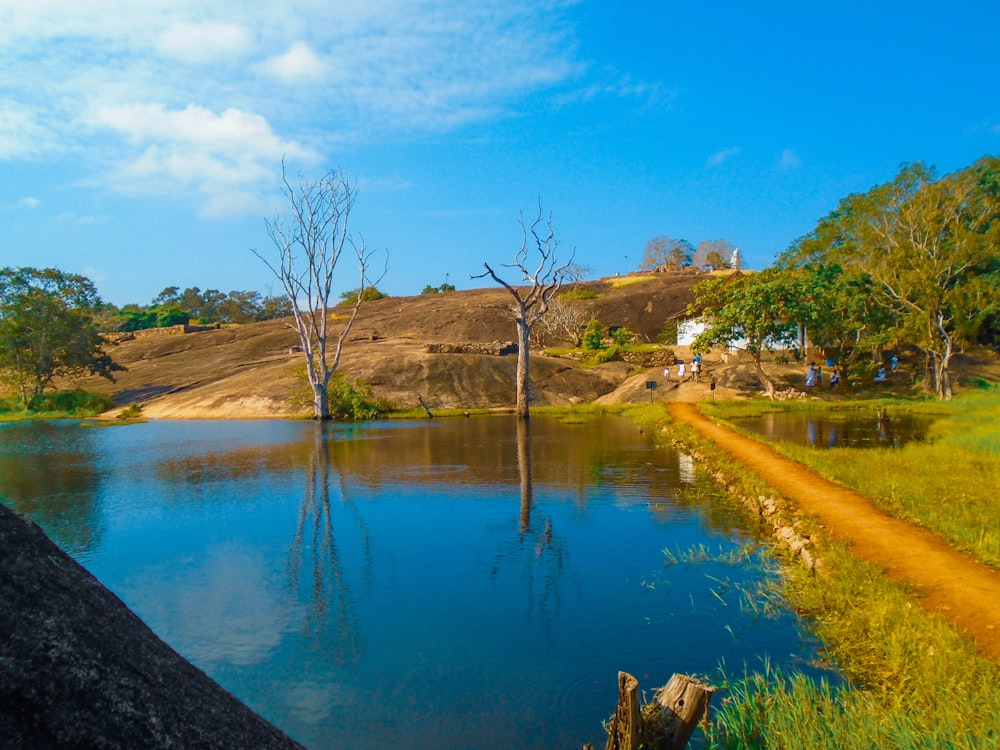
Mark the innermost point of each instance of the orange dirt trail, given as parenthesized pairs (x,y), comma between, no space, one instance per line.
(949,584)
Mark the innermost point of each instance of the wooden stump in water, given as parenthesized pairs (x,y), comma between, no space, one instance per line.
(626,723)
(665,724)
(682,703)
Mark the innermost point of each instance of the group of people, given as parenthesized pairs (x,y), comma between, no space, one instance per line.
(682,370)
(814,377)
(814,374)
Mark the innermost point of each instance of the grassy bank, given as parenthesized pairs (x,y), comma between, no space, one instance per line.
(947,484)
(913,681)
(72,404)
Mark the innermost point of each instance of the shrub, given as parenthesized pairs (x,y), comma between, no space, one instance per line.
(352,402)
(76,402)
(623,336)
(368,294)
(593,336)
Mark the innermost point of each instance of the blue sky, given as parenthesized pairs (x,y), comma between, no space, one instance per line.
(141,142)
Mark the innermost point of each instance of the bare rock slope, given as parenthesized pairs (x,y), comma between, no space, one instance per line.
(253,371)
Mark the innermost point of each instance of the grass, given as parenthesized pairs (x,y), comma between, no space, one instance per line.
(70,404)
(912,681)
(947,484)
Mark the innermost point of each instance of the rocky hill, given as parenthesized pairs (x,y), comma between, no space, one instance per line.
(444,348)
(254,370)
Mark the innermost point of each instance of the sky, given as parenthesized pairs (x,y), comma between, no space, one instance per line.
(141,143)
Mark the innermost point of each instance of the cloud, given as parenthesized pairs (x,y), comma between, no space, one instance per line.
(720,156)
(21,134)
(298,65)
(225,159)
(180,95)
(789,160)
(29,202)
(205,42)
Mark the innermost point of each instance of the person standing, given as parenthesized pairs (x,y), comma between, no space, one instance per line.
(811,376)
(695,369)
(680,371)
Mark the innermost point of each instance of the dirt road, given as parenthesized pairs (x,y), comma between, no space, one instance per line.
(949,584)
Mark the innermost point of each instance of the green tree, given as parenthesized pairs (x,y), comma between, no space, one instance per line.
(759,311)
(47,329)
(931,248)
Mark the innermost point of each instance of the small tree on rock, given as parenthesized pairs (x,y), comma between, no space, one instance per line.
(546,278)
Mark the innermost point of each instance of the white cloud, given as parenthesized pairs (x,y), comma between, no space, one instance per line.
(298,65)
(720,156)
(224,74)
(205,42)
(29,202)
(224,159)
(21,134)
(789,160)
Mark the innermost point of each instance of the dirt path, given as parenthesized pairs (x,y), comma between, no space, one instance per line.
(949,584)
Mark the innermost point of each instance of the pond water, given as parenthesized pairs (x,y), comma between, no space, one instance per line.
(839,431)
(457,583)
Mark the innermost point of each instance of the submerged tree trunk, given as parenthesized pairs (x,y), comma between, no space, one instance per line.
(523,367)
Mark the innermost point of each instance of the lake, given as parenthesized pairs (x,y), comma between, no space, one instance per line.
(457,583)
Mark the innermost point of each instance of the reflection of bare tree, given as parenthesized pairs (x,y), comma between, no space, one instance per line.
(543,553)
(332,619)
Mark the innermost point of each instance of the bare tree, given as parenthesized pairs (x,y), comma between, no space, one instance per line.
(310,242)
(563,322)
(715,253)
(531,304)
(663,253)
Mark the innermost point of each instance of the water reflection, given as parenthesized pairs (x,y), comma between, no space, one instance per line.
(314,561)
(536,551)
(875,430)
(48,471)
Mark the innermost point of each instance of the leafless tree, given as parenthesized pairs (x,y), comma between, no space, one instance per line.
(310,241)
(715,253)
(663,252)
(563,322)
(531,304)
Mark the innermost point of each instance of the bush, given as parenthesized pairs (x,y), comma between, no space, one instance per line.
(593,336)
(368,294)
(623,336)
(352,402)
(76,402)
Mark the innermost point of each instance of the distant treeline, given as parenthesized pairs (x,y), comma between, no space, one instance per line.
(173,307)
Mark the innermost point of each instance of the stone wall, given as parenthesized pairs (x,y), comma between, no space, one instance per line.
(494,348)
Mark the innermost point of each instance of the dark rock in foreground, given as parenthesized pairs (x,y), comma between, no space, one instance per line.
(79,669)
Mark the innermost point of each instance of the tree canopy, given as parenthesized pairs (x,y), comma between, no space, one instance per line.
(664,252)
(47,329)
(926,251)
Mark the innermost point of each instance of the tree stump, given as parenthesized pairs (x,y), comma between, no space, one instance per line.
(624,732)
(682,703)
(665,724)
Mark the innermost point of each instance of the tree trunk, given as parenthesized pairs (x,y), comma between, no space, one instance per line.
(523,357)
(666,724)
(684,702)
(625,724)
(765,381)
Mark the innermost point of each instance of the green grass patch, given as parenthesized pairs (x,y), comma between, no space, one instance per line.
(71,404)
(912,681)
(947,484)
